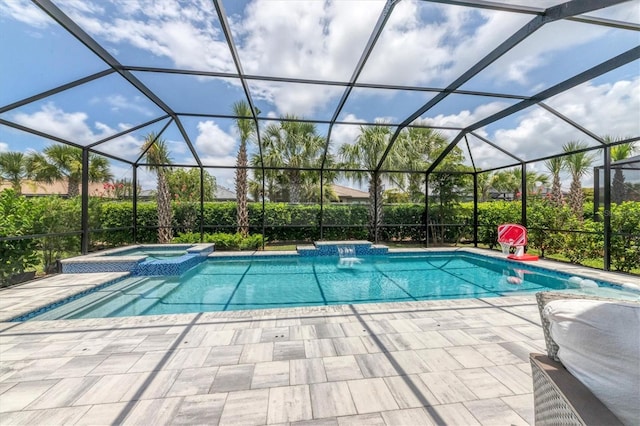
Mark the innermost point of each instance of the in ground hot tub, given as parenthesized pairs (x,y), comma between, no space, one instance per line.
(165,259)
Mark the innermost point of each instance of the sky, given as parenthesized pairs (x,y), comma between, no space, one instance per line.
(422,44)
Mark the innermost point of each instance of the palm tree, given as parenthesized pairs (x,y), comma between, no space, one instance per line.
(533,178)
(13,169)
(578,164)
(485,184)
(246,130)
(365,154)
(64,162)
(506,181)
(555,166)
(618,153)
(418,147)
(293,145)
(157,155)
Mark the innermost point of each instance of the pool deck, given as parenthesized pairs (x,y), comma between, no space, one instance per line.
(459,361)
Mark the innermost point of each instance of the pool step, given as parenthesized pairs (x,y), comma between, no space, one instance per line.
(330,248)
(131,296)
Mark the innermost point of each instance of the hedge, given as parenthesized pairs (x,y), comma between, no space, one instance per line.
(552,230)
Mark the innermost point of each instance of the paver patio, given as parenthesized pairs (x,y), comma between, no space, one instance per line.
(459,361)
(434,362)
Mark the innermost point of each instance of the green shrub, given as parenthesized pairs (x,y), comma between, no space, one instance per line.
(223,241)
(187,238)
(17,218)
(300,222)
(492,214)
(625,241)
(544,222)
(57,215)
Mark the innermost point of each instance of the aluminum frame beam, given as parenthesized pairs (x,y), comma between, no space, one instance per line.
(318,82)
(56,90)
(75,30)
(125,132)
(532,10)
(572,123)
(371,43)
(58,139)
(602,68)
(561,11)
(226,29)
(494,145)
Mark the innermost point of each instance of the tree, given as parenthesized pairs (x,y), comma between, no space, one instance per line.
(578,164)
(246,131)
(511,181)
(364,154)
(292,146)
(13,169)
(505,181)
(618,153)
(555,166)
(64,162)
(185,185)
(120,189)
(485,184)
(533,179)
(156,155)
(418,147)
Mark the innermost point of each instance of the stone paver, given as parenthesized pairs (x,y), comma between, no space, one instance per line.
(371,395)
(331,399)
(289,404)
(200,409)
(246,408)
(342,368)
(432,362)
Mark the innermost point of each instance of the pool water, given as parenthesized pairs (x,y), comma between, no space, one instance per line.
(223,285)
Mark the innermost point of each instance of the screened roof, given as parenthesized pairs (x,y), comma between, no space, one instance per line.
(505,81)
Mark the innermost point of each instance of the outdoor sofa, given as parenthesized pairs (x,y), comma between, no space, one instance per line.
(559,397)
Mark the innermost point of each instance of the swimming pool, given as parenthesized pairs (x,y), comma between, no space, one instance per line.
(276,282)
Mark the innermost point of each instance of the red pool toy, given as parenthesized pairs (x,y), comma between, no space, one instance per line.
(514,235)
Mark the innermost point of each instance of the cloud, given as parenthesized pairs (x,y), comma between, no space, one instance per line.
(316,40)
(226,177)
(214,142)
(4,147)
(70,126)
(433,44)
(183,32)
(127,146)
(24,11)
(73,126)
(541,48)
(422,43)
(345,133)
(119,102)
(295,99)
(605,109)
(465,117)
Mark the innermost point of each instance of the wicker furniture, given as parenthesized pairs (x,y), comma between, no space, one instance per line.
(560,398)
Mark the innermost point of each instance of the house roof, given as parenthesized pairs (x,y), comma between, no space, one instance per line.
(346,192)
(30,187)
(223,193)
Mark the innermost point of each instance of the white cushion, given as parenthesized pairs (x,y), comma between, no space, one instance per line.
(599,343)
